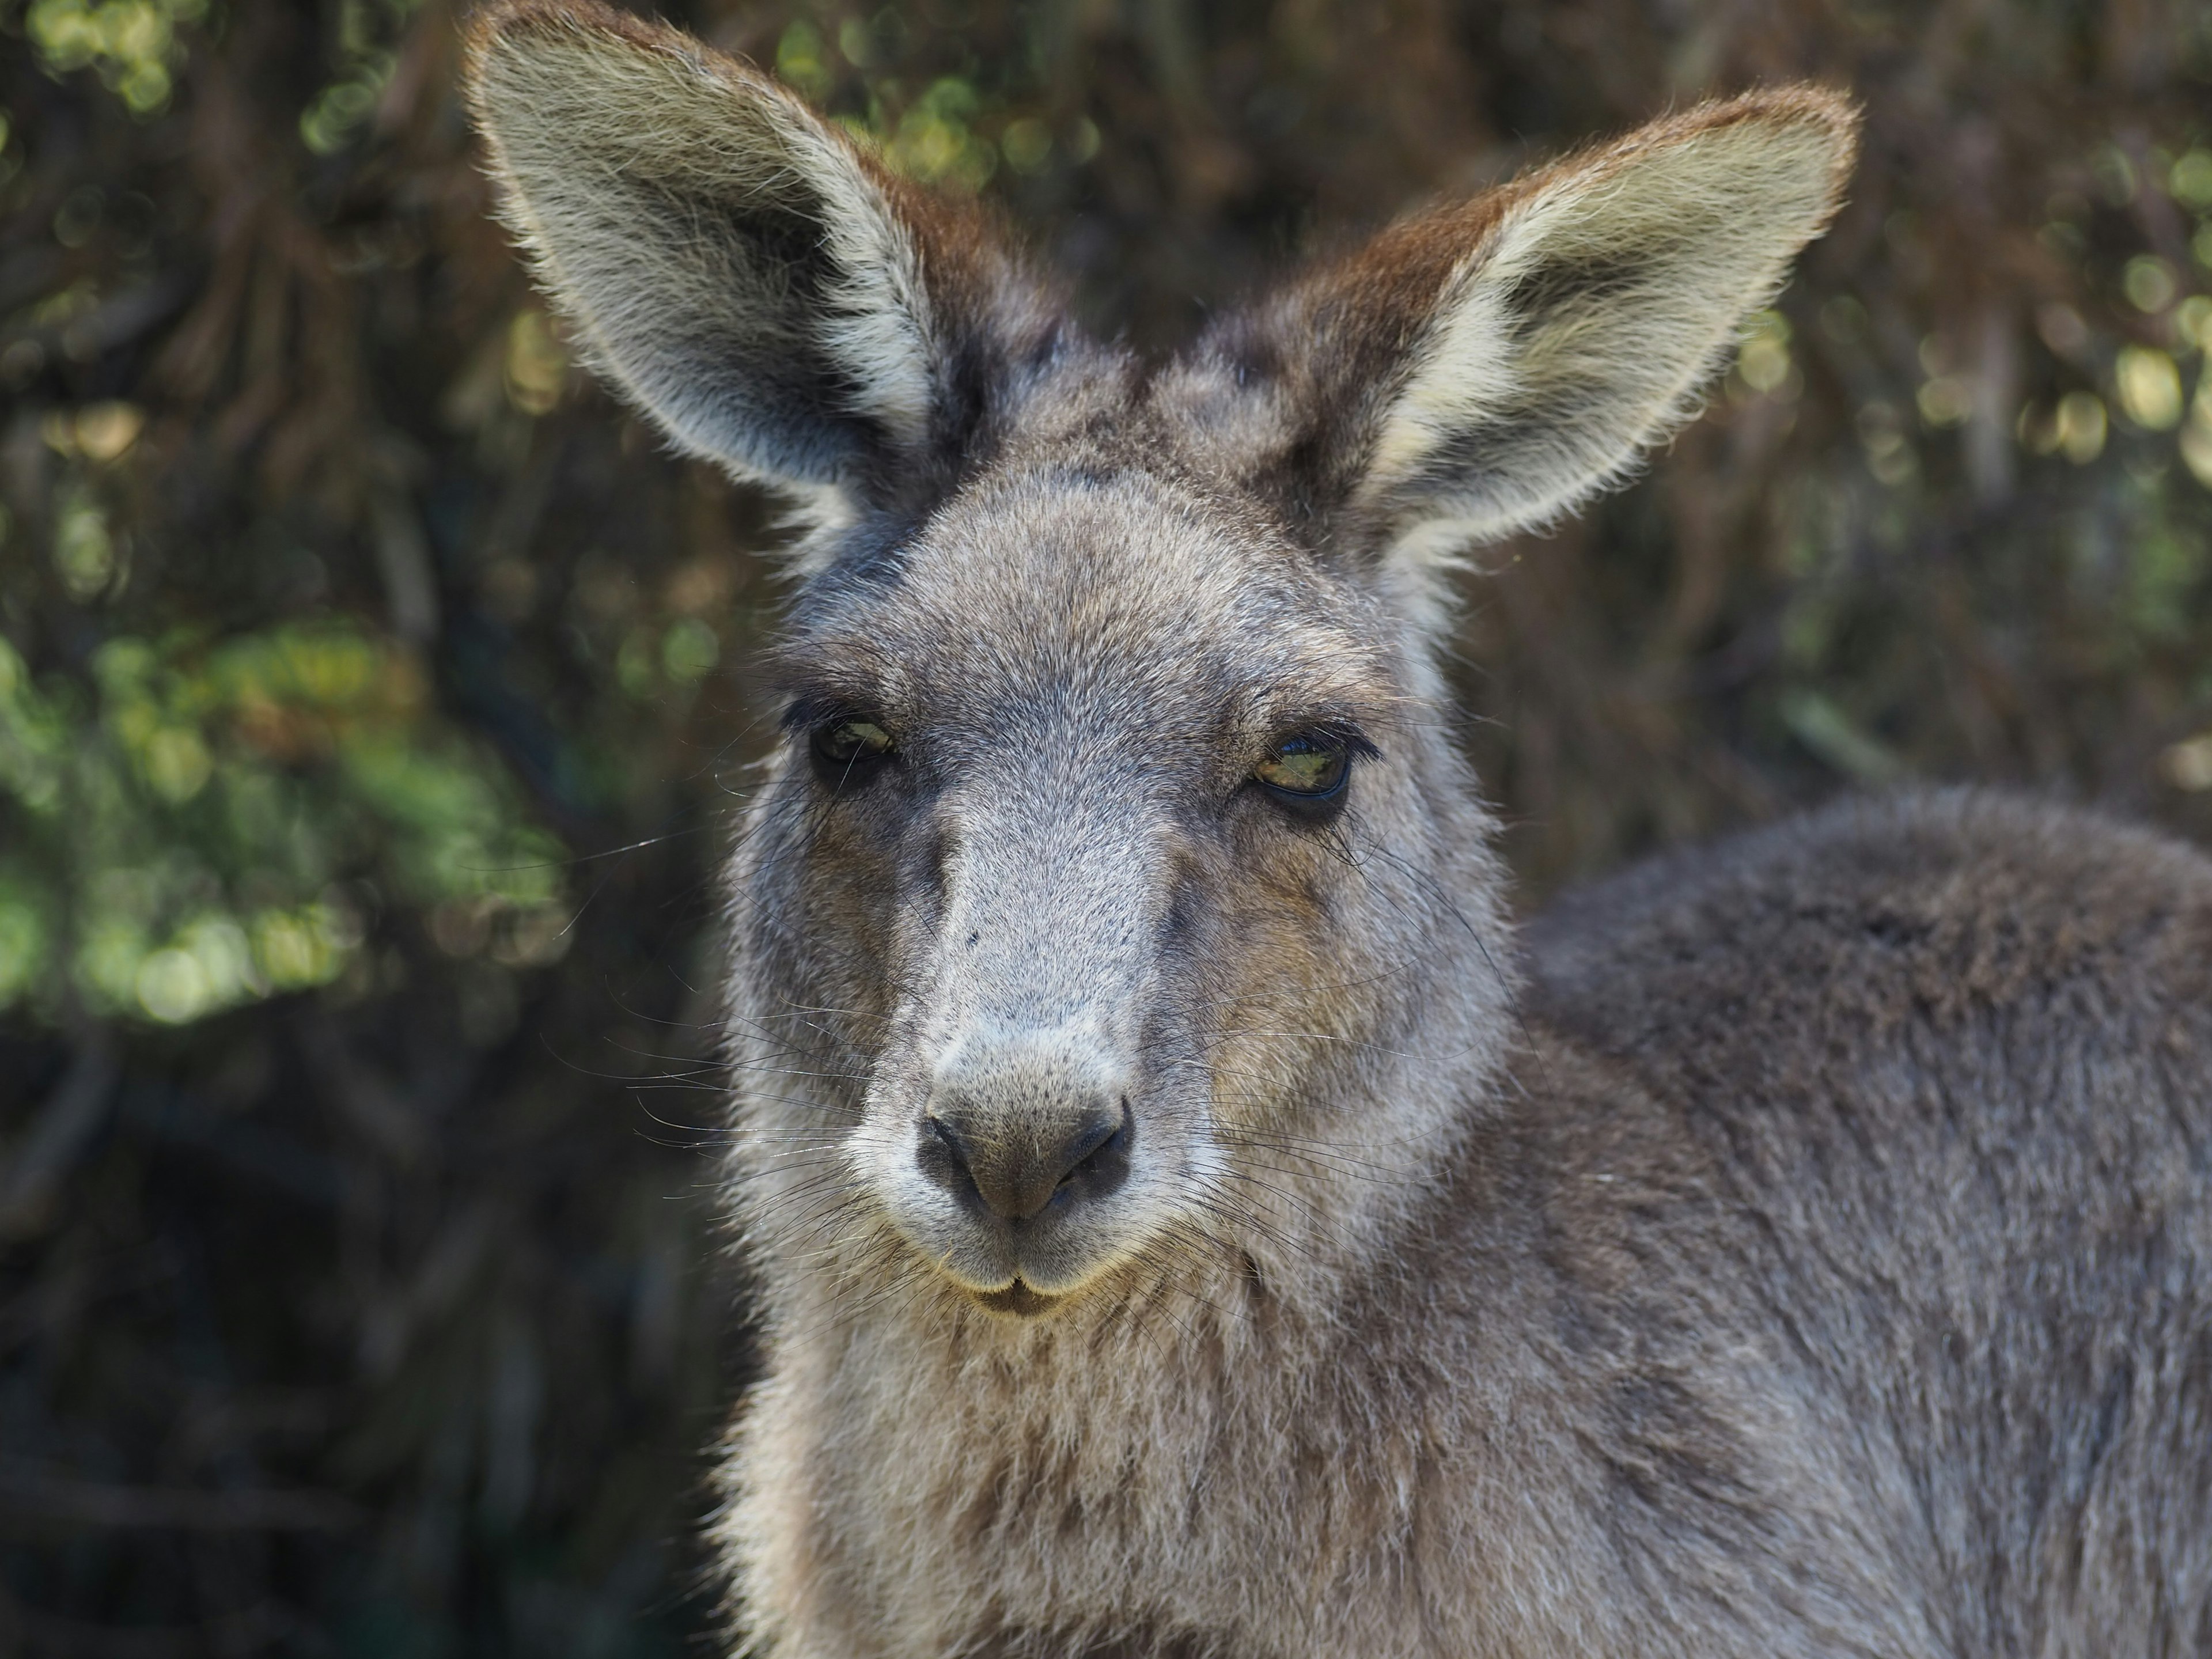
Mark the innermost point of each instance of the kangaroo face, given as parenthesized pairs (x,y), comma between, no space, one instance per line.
(1113,908)
(1080,780)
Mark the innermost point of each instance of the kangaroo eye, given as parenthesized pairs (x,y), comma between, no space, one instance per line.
(1309,767)
(843,744)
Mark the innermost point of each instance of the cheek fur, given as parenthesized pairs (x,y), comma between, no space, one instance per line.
(1291,966)
(845,914)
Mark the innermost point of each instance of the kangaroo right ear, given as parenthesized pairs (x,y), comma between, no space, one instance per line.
(775,299)
(1486,367)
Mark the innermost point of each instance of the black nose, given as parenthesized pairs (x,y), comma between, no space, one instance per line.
(1019,1171)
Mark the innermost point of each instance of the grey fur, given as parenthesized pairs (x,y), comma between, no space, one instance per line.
(1795,1248)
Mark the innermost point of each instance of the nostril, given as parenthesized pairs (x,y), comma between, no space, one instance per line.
(1095,1143)
(1006,1173)
(945,1158)
(1091,1161)
(1101,1160)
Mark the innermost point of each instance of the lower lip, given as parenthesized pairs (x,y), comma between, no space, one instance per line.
(1017,1298)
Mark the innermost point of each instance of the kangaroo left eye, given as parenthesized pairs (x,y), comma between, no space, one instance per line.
(1308,767)
(841,746)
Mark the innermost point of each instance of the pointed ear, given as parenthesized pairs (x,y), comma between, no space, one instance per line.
(1488,366)
(770,294)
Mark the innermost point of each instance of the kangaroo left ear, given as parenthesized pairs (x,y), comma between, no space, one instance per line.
(1488,366)
(771,295)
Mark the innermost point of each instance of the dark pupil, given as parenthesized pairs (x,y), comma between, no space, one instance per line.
(850,740)
(1303,766)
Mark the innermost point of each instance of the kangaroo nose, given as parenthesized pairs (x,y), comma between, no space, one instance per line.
(1017,1171)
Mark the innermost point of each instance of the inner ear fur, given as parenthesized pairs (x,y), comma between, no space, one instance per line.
(1486,366)
(770,293)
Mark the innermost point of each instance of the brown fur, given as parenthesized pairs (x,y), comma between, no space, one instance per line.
(1798,1248)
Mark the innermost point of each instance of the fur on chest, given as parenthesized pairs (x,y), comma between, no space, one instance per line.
(1098,1491)
(1092,1490)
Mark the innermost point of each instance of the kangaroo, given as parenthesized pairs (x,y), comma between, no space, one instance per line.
(1187,1221)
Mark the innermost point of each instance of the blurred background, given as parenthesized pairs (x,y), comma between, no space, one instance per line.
(374,691)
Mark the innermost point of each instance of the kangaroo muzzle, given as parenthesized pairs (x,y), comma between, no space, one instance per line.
(1016,1128)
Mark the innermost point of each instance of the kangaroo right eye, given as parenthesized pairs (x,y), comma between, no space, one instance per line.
(1309,767)
(845,746)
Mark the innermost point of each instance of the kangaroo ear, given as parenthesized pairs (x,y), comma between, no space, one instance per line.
(1486,367)
(776,300)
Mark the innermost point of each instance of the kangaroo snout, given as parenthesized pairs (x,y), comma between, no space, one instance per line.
(1015,1177)
(1017,1127)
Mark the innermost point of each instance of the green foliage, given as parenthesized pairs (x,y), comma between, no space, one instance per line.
(367,31)
(207,828)
(133,44)
(952,130)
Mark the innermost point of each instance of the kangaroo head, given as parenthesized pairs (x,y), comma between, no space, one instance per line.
(1115,900)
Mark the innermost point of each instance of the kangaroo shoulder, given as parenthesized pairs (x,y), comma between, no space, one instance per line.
(1920,909)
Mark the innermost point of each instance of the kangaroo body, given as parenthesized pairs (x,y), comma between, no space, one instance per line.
(1185,1223)
(1857,1305)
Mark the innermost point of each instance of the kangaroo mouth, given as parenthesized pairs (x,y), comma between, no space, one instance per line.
(1017,1300)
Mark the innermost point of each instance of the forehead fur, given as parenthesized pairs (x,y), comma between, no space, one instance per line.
(1123,593)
